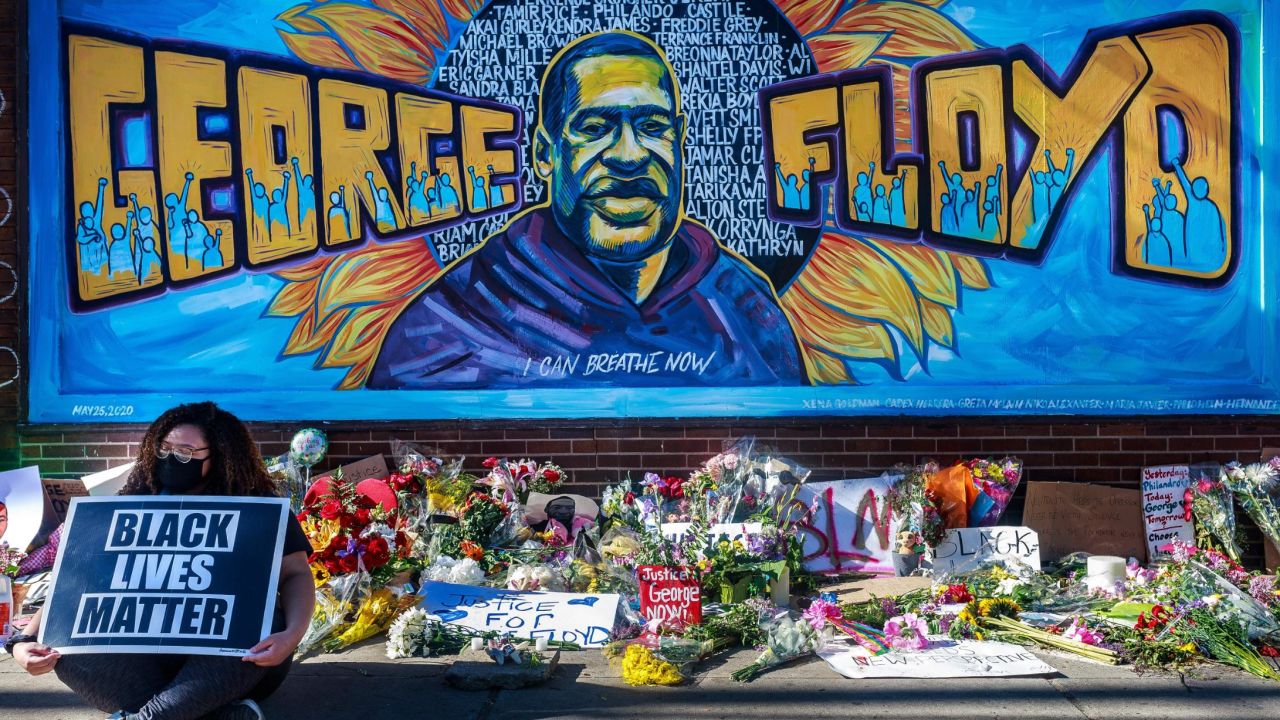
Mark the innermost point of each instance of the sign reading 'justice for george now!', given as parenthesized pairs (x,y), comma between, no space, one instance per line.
(166,575)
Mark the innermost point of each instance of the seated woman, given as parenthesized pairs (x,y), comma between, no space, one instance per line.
(195,449)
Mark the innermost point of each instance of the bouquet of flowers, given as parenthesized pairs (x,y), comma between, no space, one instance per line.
(666,500)
(996,483)
(10,559)
(912,501)
(619,505)
(513,481)
(350,532)
(786,640)
(1257,488)
(1208,500)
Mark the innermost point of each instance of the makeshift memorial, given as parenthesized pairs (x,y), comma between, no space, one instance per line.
(1208,500)
(962,548)
(1076,517)
(512,481)
(920,525)
(556,520)
(849,525)
(584,619)
(996,482)
(943,658)
(1257,488)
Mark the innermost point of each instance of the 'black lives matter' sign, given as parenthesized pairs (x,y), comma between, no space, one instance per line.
(192,575)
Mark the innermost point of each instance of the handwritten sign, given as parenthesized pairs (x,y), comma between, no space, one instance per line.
(567,617)
(1162,506)
(719,531)
(964,548)
(853,526)
(1096,519)
(57,500)
(374,466)
(155,574)
(942,659)
(670,595)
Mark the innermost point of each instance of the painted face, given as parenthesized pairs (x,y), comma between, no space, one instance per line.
(4,519)
(615,166)
(561,510)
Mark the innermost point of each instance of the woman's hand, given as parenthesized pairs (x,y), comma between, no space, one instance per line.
(35,658)
(273,650)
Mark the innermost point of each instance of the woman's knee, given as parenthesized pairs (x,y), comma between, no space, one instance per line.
(108,684)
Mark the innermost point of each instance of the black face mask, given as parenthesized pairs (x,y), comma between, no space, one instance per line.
(179,477)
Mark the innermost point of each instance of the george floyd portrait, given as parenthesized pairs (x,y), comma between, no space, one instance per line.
(608,282)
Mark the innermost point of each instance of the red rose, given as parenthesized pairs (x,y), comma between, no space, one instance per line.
(347,521)
(551,475)
(362,516)
(331,510)
(1268,651)
(629,498)
(376,553)
(491,462)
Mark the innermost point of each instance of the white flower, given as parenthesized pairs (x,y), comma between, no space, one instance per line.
(1007,587)
(1212,600)
(407,635)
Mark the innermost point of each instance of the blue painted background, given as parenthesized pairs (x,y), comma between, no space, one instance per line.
(1067,336)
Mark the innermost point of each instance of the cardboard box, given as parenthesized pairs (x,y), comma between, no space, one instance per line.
(1075,517)
(374,466)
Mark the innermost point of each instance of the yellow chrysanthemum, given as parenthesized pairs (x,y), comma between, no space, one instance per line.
(641,667)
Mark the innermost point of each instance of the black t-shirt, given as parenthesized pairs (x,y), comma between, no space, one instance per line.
(294,539)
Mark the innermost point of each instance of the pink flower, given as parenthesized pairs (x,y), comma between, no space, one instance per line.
(1081,633)
(819,611)
(1205,485)
(906,632)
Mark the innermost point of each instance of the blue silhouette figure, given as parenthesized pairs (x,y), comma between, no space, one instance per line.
(148,259)
(433,201)
(194,233)
(306,193)
(338,211)
(212,256)
(383,215)
(790,188)
(1173,222)
(1204,223)
(118,247)
(1155,236)
(479,198)
(258,197)
(880,206)
(449,199)
(93,244)
(969,211)
(1056,178)
(990,220)
(862,194)
(897,206)
(419,206)
(947,214)
(146,229)
(177,206)
(496,197)
(278,210)
(806,196)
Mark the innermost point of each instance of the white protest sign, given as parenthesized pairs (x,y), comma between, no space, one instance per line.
(1162,506)
(943,658)
(585,619)
(107,482)
(21,506)
(852,528)
(730,531)
(964,548)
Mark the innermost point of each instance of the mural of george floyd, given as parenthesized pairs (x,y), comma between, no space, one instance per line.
(619,234)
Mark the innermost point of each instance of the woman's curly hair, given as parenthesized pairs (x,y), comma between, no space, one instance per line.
(237,467)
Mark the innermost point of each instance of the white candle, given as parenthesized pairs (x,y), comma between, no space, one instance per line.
(1104,571)
(477,644)
(541,644)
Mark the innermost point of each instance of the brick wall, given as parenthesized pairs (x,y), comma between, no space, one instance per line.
(12,233)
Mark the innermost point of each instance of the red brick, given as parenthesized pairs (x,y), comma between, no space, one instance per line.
(1082,430)
(890,431)
(1143,443)
(974,430)
(914,445)
(1238,444)
(1122,430)
(1101,444)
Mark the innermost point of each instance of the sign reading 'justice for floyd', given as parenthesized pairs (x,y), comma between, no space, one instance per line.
(166,575)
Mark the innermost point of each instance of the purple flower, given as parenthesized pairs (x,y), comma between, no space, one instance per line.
(818,612)
(1081,633)
(889,607)
(906,632)
(1262,588)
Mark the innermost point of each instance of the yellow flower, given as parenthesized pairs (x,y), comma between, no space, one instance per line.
(319,574)
(1188,648)
(320,532)
(439,502)
(641,667)
(738,546)
(375,615)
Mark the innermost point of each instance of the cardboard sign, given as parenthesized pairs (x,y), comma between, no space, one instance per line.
(670,595)
(942,659)
(568,617)
(853,527)
(374,466)
(107,482)
(965,548)
(57,499)
(1163,513)
(728,531)
(161,574)
(21,506)
(1073,517)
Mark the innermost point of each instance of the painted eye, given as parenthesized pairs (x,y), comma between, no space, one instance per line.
(594,129)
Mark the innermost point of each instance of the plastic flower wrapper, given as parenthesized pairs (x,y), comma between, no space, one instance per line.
(618,504)
(374,615)
(291,479)
(1209,502)
(336,601)
(459,572)
(513,480)
(1257,488)
(785,640)
(911,500)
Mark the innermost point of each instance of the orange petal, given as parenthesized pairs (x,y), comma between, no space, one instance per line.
(809,16)
(379,41)
(296,18)
(973,271)
(844,51)
(464,10)
(425,16)
(825,369)
(319,50)
(915,31)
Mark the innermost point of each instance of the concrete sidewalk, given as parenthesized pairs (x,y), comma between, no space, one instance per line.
(363,683)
